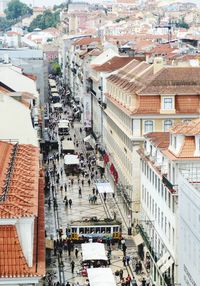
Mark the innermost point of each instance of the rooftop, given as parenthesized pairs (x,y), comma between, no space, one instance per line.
(113,64)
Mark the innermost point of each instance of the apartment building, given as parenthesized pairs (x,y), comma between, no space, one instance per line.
(168,160)
(144,98)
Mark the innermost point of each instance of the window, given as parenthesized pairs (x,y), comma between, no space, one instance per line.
(162,220)
(148,126)
(167,103)
(175,142)
(167,125)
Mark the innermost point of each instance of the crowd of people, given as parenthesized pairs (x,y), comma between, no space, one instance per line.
(56,181)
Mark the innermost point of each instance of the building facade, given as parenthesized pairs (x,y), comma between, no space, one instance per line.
(169,215)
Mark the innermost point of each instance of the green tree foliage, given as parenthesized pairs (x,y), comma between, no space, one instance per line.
(16,9)
(5,24)
(46,20)
(55,68)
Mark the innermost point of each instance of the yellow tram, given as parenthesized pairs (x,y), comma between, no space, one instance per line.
(95,228)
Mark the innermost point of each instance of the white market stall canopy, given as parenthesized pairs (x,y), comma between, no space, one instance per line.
(57,105)
(68,145)
(52,82)
(104,187)
(90,139)
(54,90)
(101,277)
(71,160)
(63,123)
(93,251)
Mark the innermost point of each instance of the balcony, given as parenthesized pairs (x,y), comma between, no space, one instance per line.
(168,185)
(147,241)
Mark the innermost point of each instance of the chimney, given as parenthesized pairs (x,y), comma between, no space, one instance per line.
(157,64)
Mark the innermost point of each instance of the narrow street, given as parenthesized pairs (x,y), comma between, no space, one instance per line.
(58,216)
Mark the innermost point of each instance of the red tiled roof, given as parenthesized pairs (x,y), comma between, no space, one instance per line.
(86,41)
(12,260)
(113,64)
(23,190)
(162,49)
(159,139)
(187,128)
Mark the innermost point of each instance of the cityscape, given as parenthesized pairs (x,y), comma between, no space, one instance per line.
(100,143)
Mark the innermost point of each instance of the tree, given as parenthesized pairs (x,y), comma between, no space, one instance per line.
(46,20)
(16,9)
(5,24)
(55,68)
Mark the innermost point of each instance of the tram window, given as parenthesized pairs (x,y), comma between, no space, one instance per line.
(87,230)
(98,229)
(103,229)
(115,229)
(81,230)
(74,229)
(108,229)
(91,230)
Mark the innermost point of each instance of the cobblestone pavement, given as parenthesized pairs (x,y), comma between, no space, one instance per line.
(60,218)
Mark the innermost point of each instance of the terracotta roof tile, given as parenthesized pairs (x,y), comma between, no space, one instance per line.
(86,41)
(187,128)
(113,64)
(22,196)
(188,148)
(159,139)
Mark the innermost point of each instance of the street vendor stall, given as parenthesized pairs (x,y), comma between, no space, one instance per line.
(101,277)
(93,251)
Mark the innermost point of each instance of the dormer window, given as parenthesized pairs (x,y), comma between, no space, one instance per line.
(167,103)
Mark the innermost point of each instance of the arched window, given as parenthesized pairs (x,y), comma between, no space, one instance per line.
(167,125)
(148,126)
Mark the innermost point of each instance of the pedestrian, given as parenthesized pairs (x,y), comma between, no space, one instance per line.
(124,261)
(61,171)
(72,266)
(82,182)
(143,282)
(66,203)
(70,203)
(104,197)
(127,260)
(93,191)
(128,280)
(72,181)
(89,182)
(65,187)
(121,274)
(124,247)
(68,284)
(76,252)
(79,192)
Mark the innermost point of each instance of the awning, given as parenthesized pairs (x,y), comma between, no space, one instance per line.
(167,264)
(101,277)
(104,187)
(163,259)
(138,239)
(90,140)
(52,82)
(57,105)
(68,145)
(63,123)
(54,90)
(49,243)
(93,251)
(71,160)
